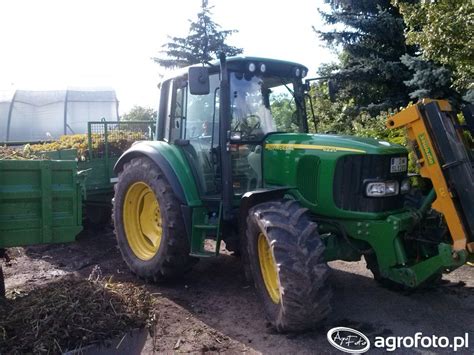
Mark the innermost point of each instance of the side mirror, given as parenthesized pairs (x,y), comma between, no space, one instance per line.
(332,90)
(198,80)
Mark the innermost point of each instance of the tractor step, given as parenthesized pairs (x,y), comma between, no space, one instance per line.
(203,254)
(205,228)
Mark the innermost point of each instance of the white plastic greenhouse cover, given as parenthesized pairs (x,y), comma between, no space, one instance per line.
(28,115)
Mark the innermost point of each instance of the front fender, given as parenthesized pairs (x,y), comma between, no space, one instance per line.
(173,165)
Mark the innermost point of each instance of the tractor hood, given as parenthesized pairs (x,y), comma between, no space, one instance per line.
(331,143)
(328,173)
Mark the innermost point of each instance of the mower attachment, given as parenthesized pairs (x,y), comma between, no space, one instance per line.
(443,158)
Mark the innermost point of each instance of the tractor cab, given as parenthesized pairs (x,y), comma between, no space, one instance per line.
(220,115)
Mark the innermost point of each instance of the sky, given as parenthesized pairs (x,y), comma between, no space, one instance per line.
(54,44)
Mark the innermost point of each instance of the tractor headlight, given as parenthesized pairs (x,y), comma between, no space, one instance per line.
(405,186)
(382,189)
(252,67)
(263,68)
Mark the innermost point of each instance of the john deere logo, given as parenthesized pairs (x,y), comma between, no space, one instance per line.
(426,148)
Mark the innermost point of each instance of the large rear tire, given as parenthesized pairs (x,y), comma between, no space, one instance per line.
(149,226)
(285,254)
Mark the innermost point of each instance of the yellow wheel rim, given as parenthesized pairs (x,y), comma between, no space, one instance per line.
(268,268)
(142,220)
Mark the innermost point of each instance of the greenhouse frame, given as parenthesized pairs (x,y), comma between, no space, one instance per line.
(33,116)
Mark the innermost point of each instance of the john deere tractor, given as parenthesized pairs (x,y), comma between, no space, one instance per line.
(229,166)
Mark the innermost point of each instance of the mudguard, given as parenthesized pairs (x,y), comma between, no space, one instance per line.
(253,198)
(173,165)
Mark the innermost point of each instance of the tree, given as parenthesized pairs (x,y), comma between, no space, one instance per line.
(283,110)
(329,116)
(430,80)
(369,37)
(444,29)
(139,113)
(204,42)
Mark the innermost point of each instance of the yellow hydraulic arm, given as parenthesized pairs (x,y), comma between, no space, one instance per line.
(434,165)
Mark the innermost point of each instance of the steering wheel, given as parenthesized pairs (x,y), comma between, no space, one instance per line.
(246,126)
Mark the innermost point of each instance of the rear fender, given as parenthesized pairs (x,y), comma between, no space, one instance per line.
(173,165)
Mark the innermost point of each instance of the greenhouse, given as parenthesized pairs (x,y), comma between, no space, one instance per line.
(27,115)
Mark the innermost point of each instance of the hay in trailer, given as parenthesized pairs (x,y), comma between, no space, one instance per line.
(7,153)
(117,141)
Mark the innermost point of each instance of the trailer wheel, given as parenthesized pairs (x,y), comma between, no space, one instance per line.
(285,254)
(149,226)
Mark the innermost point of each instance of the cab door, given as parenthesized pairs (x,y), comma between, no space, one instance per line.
(193,124)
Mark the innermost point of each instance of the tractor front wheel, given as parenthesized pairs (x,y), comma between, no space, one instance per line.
(285,254)
(149,226)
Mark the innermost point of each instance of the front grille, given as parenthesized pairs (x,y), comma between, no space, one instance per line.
(352,171)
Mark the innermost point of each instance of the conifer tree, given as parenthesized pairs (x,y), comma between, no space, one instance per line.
(369,37)
(204,42)
(444,32)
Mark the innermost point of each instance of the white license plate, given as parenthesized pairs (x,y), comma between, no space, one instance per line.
(398,165)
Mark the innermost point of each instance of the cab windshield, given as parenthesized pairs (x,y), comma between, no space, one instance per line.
(261,104)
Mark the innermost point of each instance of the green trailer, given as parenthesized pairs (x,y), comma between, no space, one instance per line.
(106,141)
(40,202)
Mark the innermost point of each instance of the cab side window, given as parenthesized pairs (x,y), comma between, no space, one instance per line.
(203,112)
(173,115)
(178,115)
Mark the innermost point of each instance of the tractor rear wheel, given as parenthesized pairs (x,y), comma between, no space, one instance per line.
(287,263)
(149,226)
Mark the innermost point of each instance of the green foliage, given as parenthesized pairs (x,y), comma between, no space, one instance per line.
(445,30)
(338,117)
(139,113)
(334,117)
(374,127)
(391,52)
(429,79)
(283,111)
(369,38)
(204,42)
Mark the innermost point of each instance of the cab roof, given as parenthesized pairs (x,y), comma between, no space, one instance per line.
(240,63)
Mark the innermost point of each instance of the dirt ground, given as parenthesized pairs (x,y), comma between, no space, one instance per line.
(214,309)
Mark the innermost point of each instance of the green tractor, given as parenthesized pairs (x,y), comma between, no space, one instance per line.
(223,168)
